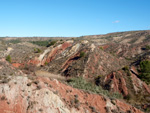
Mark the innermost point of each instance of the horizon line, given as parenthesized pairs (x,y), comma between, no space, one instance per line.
(69,36)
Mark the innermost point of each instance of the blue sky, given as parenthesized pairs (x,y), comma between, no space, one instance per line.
(72,17)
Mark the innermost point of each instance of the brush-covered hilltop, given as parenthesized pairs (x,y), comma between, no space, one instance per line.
(90,74)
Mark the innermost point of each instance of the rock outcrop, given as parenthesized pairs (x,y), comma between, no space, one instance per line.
(132,88)
(33,94)
(100,59)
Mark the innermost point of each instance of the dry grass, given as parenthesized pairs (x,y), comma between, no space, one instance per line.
(47,74)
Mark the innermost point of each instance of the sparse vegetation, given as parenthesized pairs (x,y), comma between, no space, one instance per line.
(75,102)
(51,43)
(8,58)
(14,41)
(41,43)
(81,83)
(101,68)
(147,47)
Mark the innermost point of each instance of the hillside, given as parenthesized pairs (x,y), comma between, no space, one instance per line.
(97,73)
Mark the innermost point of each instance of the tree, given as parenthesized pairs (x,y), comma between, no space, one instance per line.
(145,66)
(145,71)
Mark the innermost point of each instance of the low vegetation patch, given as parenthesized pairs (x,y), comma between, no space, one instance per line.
(46,43)
(41,43)
(81,83)
(51,43)
(14,41)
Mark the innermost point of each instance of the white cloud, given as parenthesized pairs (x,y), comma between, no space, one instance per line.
(117,21)
(148,27)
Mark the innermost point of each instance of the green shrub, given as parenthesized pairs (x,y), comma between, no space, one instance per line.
(101,48)
(76,100)
(46,63)
(145,71)
(145,77)
(37,50)
(127,97)
(81,83)
(127,70)
(8,58)
(97,80)
(82,54)
(145,66)
(147,110)
(147,47)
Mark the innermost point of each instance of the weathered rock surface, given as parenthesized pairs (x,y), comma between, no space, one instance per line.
(129,85)
(30,94)
(67,59)
(97,56)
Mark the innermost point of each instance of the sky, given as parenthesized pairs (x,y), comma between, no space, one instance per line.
(72,18)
